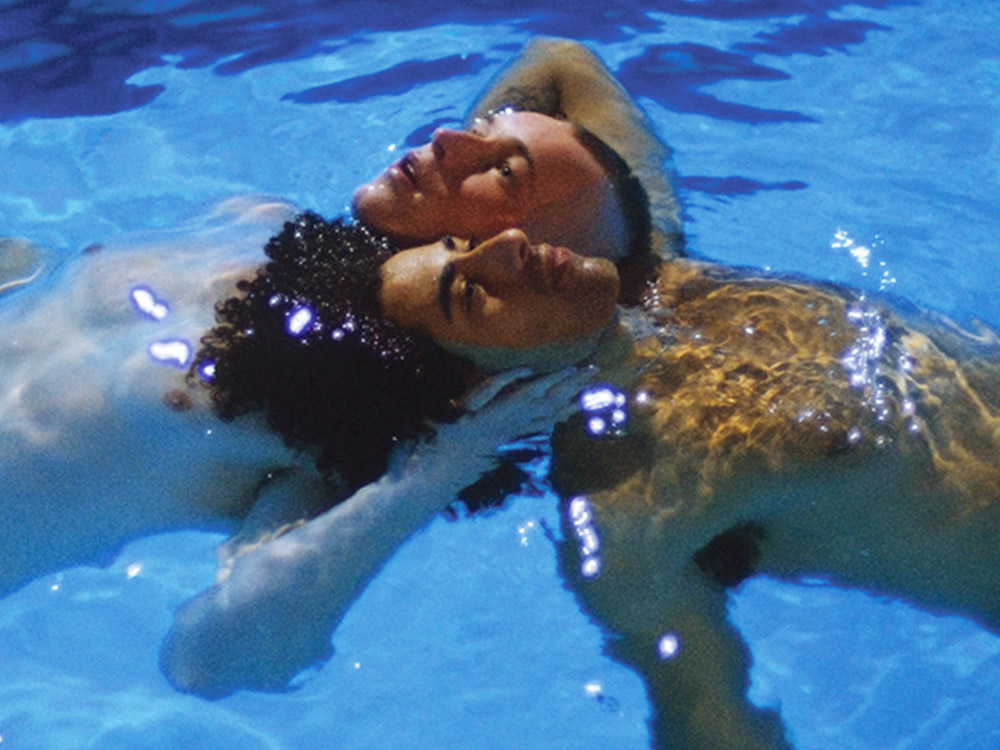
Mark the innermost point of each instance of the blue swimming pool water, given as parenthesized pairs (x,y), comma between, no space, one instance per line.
(796,123)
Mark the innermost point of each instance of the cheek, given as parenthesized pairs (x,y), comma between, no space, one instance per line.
(482,197)
(506,324)
(575,320)
(542,321)
(408,219)
(583,314)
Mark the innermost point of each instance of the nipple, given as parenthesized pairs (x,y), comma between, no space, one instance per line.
(178,400)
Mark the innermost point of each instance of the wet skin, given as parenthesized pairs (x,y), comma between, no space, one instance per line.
(504,292)
(513,169)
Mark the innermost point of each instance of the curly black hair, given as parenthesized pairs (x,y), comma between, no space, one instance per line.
(306,343)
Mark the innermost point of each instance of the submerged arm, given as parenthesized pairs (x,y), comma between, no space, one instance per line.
(666,618)
(696,671)
(273,614)
(562,78)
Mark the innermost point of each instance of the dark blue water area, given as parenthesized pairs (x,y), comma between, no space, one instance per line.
(396,80)
(60,59)
(734,186)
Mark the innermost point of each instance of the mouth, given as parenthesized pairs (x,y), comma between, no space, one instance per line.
(406,167)
(556,261)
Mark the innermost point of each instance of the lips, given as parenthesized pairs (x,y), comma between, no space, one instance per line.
(407,168)
(557,261)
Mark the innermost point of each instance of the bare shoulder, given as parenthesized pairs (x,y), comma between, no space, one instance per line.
(767,377)
(119,322)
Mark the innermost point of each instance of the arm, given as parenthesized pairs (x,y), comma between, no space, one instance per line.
(700,695)
(272,615)
(659,590)
(698,682)
(562,78)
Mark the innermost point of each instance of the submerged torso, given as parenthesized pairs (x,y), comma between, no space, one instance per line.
(102,438)
(839,439)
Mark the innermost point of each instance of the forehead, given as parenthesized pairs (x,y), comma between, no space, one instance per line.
(528,126)
(418,272)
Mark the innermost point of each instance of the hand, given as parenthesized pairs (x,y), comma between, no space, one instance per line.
(273,614)
(503,408)
(514,404)
(257,629)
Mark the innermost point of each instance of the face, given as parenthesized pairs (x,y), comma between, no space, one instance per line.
(508,170)
(504,292)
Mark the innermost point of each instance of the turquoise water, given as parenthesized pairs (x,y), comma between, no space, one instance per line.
(796,123)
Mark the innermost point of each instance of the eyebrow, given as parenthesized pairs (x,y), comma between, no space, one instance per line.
(444,289)
(520,146)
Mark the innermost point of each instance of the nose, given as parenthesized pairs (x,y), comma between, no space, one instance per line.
(459,149)
(503,257)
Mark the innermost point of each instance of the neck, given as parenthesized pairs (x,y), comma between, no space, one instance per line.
(627,349)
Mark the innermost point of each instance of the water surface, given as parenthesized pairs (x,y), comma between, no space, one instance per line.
(796,123)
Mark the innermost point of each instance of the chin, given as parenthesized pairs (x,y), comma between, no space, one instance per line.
(369,207)
(362,198)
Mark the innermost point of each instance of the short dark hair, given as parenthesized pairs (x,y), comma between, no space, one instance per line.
(640,264)
(306,343)
(632,198)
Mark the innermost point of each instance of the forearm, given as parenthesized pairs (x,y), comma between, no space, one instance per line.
(556,77)
(272,615)
(695,666)
(345,547)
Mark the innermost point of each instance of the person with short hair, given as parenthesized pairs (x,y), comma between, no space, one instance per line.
(748,424)
(354,345)
(554,147)
(564,80)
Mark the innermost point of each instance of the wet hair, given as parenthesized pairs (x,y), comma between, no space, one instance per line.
(633,201)
(640,265)
(306,344)
(632,198)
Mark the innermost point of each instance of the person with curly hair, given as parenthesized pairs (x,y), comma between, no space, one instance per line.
(115,422)
(749,424)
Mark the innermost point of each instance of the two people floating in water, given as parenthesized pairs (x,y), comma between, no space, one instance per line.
(766,425)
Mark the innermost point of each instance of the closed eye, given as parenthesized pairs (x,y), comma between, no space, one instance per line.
(484,127)
(469,295)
